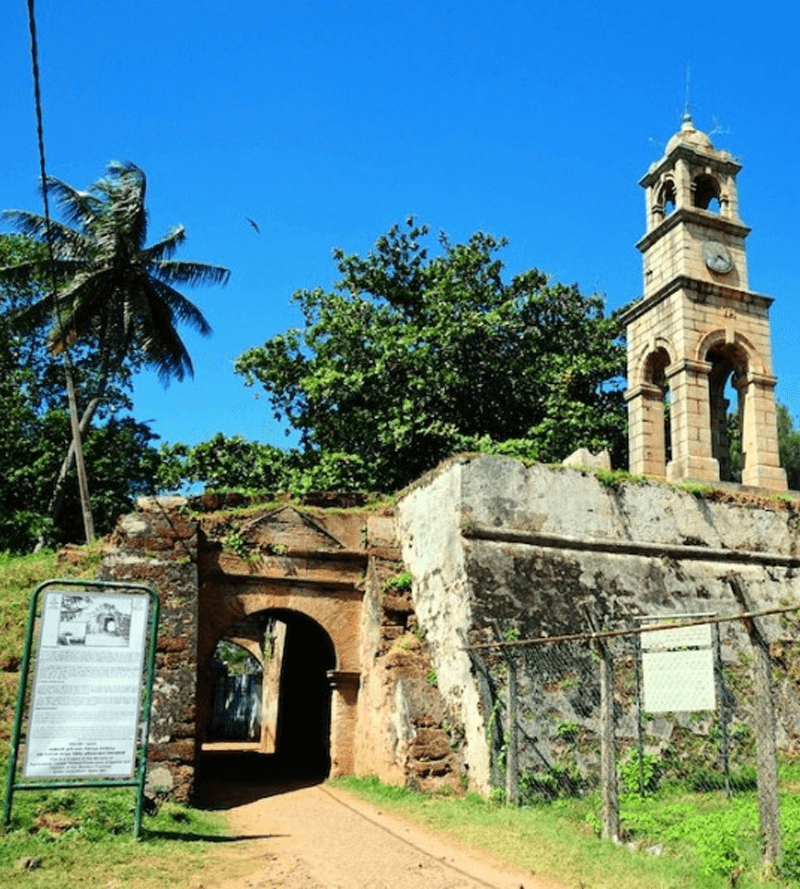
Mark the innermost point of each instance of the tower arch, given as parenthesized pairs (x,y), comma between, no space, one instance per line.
(722,337)
(705,190)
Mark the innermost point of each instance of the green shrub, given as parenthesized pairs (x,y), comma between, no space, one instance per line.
(704,780)
(537,787)
(400,582)
(636,779)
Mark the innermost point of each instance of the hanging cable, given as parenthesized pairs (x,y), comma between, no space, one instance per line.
(37,94)
(83,484)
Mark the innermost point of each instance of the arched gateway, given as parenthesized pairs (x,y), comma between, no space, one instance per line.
(289,579)
(228,575)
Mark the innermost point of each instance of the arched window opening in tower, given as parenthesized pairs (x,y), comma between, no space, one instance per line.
(666,197)
(655,374)
(706,193)
(728,405)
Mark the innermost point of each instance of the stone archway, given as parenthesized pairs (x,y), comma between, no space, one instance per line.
(309,575)
(220,564)
(296,720)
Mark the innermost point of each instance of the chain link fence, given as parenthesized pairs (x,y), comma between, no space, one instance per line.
(655,723)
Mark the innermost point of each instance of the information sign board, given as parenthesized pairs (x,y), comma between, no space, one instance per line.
(678,670)
(88,707)
(87,688)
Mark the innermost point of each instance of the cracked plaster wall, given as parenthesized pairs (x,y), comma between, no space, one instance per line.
(495,546)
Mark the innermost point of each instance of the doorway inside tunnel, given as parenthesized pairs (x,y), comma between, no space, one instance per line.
(302,717)
(292,739)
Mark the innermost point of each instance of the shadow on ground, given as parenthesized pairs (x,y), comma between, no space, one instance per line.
(234,778)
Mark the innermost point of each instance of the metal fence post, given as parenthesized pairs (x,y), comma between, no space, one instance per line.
(512,752)
(608,760)
(608,765)
(766,751)
(637,674)
(722,699)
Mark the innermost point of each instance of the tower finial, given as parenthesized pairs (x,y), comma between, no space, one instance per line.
(687,110)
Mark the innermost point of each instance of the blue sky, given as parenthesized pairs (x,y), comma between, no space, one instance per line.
(328,121)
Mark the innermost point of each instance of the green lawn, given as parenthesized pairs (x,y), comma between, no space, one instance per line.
(674,838)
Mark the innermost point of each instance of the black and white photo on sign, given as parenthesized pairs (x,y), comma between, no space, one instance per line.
(95,621)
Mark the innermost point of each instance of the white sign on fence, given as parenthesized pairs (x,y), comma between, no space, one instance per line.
(678,670)
(87,687)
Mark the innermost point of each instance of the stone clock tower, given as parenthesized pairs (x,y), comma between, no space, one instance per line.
(698,327)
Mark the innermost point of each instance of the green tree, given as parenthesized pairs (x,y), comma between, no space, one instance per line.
(225,462)
(413,357)
(109,287)
(35,431)
(789,446)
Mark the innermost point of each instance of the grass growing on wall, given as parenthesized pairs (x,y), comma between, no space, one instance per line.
(19,576)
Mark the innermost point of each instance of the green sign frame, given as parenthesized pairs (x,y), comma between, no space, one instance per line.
(104,616)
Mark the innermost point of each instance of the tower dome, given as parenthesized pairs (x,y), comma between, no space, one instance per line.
(688,134)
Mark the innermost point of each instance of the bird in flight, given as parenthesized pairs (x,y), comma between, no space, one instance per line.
(254,224)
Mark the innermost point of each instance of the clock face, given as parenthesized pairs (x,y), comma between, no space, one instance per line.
(717,257)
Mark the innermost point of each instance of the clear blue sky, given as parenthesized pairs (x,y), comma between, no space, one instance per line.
(327,121)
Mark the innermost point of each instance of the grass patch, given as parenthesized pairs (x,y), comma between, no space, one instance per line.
(703,841)
(84,838)
(19,576)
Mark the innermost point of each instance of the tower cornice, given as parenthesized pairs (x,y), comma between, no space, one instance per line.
(693,214)
(720,160)
(699,292)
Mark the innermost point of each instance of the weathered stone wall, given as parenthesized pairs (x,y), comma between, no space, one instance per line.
(496,547)
(158,545)
(221,565)
(406,732)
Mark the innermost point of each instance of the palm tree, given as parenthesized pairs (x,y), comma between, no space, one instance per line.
(110,288)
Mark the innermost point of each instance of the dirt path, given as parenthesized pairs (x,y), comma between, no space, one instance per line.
(314,837)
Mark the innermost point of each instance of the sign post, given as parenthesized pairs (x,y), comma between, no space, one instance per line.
(88,709)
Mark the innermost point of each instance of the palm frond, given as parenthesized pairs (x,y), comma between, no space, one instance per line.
(165,248)
(162,347)
(28,273)
(21,274)
(80,304)
(66,241)
(36,314)
(180,308)
(192,274)
(77,207)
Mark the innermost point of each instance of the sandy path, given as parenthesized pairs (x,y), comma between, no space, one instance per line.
(314,837)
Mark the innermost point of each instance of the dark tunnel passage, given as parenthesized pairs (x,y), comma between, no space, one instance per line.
(296,711)
(304,714)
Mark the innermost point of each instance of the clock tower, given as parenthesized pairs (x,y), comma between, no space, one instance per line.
(698,328)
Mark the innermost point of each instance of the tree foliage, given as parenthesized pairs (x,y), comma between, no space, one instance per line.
(35,433)
(789,446)
(233,463)
(108,302)
(224,462)
(417,355)
(112,286)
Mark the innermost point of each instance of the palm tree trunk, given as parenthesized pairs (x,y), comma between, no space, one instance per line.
(83,483)
(60,488)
